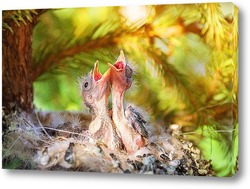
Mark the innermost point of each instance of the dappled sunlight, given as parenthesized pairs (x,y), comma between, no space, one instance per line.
(136,14)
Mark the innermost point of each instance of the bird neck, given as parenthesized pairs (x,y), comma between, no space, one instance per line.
(118,105)
(101,108)
(100,115)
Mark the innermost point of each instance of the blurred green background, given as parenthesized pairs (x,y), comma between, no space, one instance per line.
(185,58)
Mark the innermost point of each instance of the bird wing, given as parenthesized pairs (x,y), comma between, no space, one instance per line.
(140,128)
(137,121)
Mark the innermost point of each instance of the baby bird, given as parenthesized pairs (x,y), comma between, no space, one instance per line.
(130,126)
(95,90)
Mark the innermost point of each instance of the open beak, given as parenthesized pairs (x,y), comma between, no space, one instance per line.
(120,64)
(106,76)
(121,57)
(121,73)
(116,74)
(102,80)
(96,72)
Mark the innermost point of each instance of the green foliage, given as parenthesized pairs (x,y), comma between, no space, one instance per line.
(15,164)
(185,59)
(224,155)
(18,16)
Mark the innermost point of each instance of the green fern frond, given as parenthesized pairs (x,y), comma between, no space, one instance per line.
(215,26)
(235,24)
(18,16)
(6,26)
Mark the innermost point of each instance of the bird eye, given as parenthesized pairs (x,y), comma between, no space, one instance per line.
(86,84)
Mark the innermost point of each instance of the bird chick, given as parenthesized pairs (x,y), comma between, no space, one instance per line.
(131,127)
(95,90)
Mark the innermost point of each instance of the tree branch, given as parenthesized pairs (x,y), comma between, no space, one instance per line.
(111,39)
(44,65)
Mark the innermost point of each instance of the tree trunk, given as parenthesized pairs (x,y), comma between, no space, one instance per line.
(17,89)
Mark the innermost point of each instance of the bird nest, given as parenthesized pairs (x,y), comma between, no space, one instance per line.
(61,141)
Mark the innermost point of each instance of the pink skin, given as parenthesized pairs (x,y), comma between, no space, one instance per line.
(95,93)
(96,87)
(120,83)
(101,80)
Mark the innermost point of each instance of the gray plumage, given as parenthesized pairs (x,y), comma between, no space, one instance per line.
(69,154)
(136,120)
